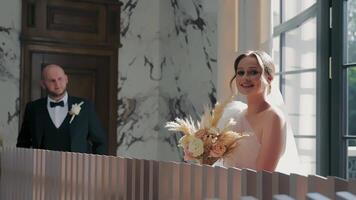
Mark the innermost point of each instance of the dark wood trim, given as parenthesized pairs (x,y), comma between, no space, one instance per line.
(107,20)
(114,71)
(109,2)
(43,40)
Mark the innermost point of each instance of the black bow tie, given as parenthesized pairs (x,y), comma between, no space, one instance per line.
(54,104)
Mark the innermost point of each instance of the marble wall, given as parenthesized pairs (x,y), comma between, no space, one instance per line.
(10,25)
(167,69)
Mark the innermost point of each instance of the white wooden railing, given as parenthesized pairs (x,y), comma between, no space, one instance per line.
(41,174)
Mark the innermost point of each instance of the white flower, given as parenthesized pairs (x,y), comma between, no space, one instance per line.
(185,140)
(196,147)
(75,110)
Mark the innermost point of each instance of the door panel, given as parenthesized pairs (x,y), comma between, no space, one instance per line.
(81,83)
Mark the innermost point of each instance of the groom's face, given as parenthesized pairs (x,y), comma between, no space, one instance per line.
(54,80)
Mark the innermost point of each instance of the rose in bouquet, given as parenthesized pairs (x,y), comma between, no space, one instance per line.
(203,141)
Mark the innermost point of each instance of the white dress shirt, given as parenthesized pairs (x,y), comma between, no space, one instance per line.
(58,113)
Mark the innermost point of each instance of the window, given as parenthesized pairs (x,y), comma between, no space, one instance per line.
(295,56)
(344,88)
(351,88)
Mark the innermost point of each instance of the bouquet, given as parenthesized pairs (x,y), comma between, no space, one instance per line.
(203,141)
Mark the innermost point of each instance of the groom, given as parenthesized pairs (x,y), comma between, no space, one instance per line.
(60,122)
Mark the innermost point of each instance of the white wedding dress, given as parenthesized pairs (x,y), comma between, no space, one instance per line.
(247,150)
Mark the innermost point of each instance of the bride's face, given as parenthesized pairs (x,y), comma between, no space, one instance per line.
(249,79)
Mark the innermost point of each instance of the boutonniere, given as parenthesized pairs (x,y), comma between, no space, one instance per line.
(75,110)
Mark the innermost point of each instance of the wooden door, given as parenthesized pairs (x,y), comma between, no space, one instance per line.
(83,37)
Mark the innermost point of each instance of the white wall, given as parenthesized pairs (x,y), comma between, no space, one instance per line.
(168,70)
(10,24)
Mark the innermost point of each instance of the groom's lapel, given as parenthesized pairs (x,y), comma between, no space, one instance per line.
(70,103)
(73,127)
(43,119)
(43,112)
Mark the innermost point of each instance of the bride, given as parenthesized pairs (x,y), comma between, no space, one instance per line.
(270,145)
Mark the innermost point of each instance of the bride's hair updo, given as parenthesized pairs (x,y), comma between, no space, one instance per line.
(263,59)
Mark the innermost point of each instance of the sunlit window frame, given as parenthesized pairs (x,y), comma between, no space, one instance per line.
(338,131)
(322,99)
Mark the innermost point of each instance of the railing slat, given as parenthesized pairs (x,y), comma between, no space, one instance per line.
(30,162)
(320,185)
(282,197)
(197,182)
(165,180)
(316,196)
(345,196)
(281,183)
(86,176)
(80,176)
(154,180)
(336,184)
(298,186)
(186,183)
(145,175)
(352,187)
(249,182)
(128,171)
(135,186)
(222,180)
(234,183)
(106,189)
(42,174)
(6,173)
(248,198)
(122,177)
(113,178)
(265,185)
(208,182)
(176,180)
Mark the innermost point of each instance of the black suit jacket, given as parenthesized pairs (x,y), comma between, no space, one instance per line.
(86,133)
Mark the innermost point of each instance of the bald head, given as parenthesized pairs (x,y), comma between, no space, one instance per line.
(54,81)
(50,69)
